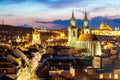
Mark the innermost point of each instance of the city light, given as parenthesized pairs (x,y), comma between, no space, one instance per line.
(46,40)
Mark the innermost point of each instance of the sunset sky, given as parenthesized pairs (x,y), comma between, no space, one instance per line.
(16,12)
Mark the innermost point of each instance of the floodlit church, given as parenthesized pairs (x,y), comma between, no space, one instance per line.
(83,38)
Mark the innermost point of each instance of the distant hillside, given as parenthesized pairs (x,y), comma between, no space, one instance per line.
(9,33)
(11,26)
(94,23)
(62,24)
(15,30)
(25,25)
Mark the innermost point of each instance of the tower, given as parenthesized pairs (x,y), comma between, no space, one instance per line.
(86,27)
(72,31)
(72,20)
(85,20)
(36,37)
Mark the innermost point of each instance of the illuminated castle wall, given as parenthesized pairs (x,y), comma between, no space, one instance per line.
(83,38)
(106,30)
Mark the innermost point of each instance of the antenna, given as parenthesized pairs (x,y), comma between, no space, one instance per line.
(2,21)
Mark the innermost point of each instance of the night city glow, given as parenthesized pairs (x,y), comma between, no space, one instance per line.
(34,12)
(59,39)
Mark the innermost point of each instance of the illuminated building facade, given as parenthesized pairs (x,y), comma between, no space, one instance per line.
(36,37)
(83,38)
(107,66)
(9,34)
(106,30)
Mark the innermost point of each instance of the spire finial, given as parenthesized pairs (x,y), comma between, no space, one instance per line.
(73,13)
(72,20)
(85,18)
(72,17)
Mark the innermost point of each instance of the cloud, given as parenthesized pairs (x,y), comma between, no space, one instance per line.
(114,16)
(7,15)
(61,22)
(25,25)
(56,24)
(59,3)
(51,25)
(98,9)
(113,6)
(94,23)
(56,1)
(81,11)
(11,1)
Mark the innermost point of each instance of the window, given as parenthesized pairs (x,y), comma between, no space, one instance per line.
(4,71)
(73,33)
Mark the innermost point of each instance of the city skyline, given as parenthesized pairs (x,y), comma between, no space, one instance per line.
(35,12)
(59,39)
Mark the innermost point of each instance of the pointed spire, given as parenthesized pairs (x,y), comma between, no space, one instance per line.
(73,15)
(72,20)
(85,18)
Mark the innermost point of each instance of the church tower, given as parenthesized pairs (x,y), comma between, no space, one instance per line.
(85,20)
(72,31)
(86,27)
(72,20)
(36,37)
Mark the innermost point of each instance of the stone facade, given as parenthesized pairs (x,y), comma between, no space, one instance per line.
(83,38)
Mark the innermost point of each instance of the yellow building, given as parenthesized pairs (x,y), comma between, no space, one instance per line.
(106,30)
(36,37)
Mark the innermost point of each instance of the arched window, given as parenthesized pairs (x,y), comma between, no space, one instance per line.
(73,33)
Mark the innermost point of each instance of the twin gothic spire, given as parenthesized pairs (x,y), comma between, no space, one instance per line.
(73,20)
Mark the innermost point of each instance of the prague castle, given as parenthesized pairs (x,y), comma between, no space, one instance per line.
(105,27)
(83,38)
(106,30)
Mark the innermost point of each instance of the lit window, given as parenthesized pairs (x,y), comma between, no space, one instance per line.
(101,76)
(4,71)
(115,76)
(110,76)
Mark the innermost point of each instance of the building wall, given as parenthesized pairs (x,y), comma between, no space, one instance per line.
(36,37)
(7,69)
(92,47)
(106,32)
(102,62)
(96,62)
